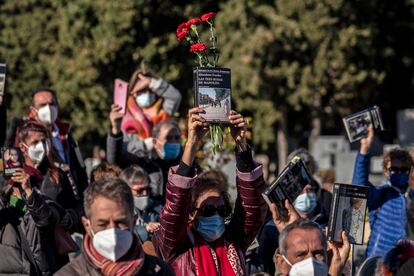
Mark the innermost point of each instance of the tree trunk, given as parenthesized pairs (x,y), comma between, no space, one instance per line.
(316,124)
(282,142)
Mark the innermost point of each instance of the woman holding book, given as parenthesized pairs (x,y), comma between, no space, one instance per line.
(193,235)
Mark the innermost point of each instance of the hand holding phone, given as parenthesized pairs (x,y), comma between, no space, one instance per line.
(23,178)
(115,116)
(121,95)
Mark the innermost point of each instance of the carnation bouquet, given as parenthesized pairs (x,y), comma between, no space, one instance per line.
(207,57)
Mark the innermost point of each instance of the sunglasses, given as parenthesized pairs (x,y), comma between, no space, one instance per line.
(210,210)
(405,170)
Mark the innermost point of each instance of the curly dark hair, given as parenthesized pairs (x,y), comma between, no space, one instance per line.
(399,154)
(210,181)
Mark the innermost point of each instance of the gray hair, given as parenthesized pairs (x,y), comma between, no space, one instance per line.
(299,224)
(307,158)
(157,128)
(112,188)
(134,174)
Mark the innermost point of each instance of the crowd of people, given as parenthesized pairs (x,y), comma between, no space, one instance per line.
(152,209)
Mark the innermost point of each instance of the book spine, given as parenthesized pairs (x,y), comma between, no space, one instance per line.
(333,214)
(378,111)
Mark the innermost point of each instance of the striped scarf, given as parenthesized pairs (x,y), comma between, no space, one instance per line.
(130,264)
(218,258)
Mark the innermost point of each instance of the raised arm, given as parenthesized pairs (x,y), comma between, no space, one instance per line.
(171,95)
(175,214)
(114,138)
(362,162)
(362,169)
(250,208)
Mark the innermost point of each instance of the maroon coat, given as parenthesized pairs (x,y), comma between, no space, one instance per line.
(174,239)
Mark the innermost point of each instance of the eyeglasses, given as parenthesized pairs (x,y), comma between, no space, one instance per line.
(405,170)
(210,210)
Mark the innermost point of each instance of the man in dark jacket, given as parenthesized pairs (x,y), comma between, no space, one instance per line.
(27,223)
(44,108)
(110,247)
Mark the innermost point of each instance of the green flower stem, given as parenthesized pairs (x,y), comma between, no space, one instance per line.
(200,59)
(194,29)
(213,37)
(216,136)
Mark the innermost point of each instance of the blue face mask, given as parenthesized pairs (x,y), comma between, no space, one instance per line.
(170,151)
(145,99)
(305,203)
(211,228)
(399,180)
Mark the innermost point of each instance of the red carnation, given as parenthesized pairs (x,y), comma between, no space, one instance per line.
(198,47)
(193,21)
(182,31)
(207,16)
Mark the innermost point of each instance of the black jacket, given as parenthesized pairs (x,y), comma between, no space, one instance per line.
(38,225)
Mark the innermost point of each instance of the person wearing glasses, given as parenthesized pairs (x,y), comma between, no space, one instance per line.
(147,208)
(386,203)
(198,234)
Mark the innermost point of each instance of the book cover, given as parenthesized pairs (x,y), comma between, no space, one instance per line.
(212,87)
(357,124)
(348,208)
(2,78)
(288,185)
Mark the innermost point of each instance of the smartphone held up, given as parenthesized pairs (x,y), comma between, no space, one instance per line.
(121,94)
(11,160)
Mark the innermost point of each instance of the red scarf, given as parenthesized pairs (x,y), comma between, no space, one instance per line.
(36,177)
(214,259)
(130,264)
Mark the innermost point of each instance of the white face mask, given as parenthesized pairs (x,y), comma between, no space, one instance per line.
(112,243)
(47,114)
(308,267)
(145,99)
(36,152)
(141,202)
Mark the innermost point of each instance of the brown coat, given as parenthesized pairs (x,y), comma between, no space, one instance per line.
(82,266)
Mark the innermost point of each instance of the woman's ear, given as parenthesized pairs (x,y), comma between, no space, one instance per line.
(191,217)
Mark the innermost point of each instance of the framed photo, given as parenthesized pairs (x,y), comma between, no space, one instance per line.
(288,185)
(357,124)
(348,208)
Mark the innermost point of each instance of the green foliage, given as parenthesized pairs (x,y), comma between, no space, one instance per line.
(296,54)
(79,47)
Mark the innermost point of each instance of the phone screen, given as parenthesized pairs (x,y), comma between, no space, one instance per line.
(12,159)
(121,94)
(2,78)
